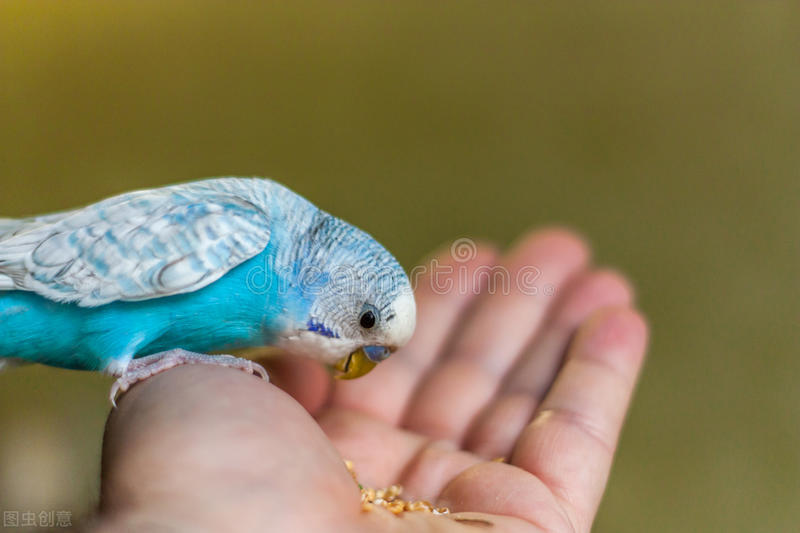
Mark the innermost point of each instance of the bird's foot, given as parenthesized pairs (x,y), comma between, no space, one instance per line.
(145,367)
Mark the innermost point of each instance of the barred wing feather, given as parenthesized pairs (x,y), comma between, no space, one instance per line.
(136,246)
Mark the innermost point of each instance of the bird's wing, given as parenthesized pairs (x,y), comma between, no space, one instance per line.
(9,226)
(136,246)
(12,226)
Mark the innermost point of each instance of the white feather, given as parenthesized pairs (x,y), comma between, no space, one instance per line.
(398,332)
(6,283)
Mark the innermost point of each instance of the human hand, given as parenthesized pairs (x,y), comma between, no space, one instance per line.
(543,380)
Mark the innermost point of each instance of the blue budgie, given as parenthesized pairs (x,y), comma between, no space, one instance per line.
(151,279)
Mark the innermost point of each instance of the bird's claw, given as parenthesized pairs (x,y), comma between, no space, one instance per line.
(145,367)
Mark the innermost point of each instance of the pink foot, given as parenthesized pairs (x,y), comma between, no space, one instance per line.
(145,367)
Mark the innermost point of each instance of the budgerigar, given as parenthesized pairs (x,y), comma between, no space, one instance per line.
(147,280)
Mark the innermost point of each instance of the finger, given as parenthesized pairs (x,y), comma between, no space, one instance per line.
(306,380)
(218,436)
(571,441)
(499,425)
(384,455)
(501,489)
(444,289)
(465,522)
(494,335)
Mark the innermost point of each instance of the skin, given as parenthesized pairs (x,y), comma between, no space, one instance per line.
(542,380)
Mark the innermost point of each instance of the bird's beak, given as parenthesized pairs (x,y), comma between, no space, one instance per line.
(354,365)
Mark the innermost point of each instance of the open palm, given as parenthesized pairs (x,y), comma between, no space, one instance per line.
(532,357)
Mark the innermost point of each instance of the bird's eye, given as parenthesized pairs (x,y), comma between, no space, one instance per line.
(367,319)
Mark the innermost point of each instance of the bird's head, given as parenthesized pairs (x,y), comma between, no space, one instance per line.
(360,305)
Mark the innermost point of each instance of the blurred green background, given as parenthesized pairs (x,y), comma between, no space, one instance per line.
(667,132)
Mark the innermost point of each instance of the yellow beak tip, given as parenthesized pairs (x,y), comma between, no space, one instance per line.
(353,366)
